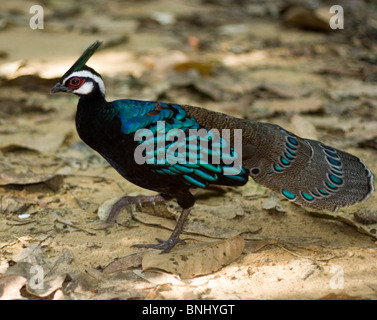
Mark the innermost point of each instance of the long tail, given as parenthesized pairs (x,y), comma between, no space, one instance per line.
(307,172)
(304,171)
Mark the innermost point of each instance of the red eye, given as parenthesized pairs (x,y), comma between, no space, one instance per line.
(76,82)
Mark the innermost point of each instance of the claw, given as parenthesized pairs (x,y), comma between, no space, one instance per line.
(128,202)
(167,245)
(164,245)
(179,240)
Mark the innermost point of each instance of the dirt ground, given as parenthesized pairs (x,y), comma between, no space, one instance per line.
(252,59)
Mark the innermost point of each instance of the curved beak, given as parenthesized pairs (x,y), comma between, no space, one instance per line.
(60,88)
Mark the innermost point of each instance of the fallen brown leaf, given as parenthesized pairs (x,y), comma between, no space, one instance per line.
(273,206)
(340,296)
(10,287)
(51,180)
(254,246)
(196,260)
(120,264)
(41,142)
(303,127)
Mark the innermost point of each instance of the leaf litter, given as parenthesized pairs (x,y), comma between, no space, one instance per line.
(246,63)
(197,260)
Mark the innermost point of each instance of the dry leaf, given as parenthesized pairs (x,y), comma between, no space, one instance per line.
(53,277)
(105,208)
(254,246)
(273,205)
(285,90)
(50,285)
(205,69)
(29,254)
(225,211)
(357,220)
(368,143)
(153,220)
(124,263)
(352,88)
(31,82)
(158,277)
(51,180)
(298,105)
(10,287)
(203,229)
(41,142)
(303,127)
(23,178)
(300,17)
(196,260)
(366,216)
(340,296)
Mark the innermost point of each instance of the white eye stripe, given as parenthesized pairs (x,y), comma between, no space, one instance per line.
(87,74)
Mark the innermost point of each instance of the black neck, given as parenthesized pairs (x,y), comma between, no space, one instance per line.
(95,100)
(91,117)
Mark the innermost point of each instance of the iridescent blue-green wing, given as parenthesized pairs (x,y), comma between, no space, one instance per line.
(176,145)
(200,164)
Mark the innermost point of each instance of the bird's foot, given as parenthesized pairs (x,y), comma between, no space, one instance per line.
(163,245)
(128,201)
(167,245)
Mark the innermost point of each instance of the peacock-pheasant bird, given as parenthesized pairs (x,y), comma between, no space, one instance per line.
(171,148)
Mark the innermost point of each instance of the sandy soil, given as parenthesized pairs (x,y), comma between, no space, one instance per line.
(237,59)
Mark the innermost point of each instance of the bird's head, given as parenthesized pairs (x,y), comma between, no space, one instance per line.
(81,79)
